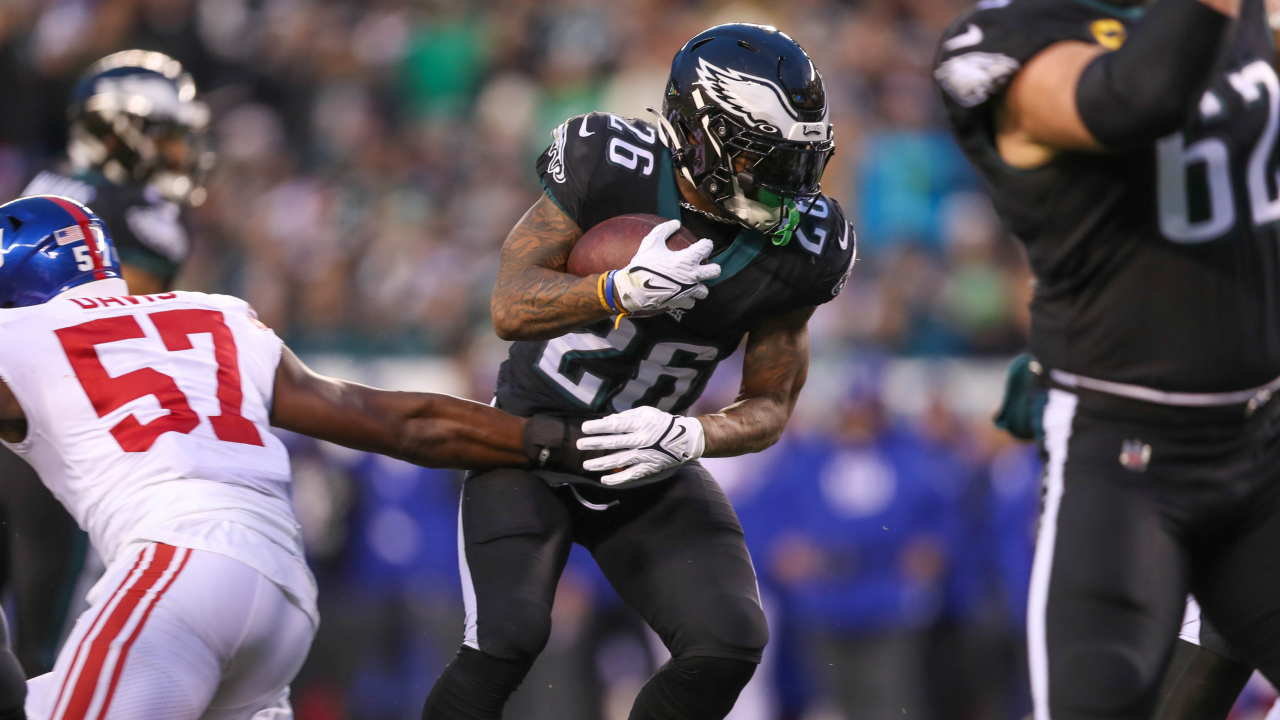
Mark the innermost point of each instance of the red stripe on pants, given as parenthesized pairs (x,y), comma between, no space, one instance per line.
(124,650)
(66,682)
(87,683)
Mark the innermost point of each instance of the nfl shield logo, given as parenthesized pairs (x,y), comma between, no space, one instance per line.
(1135,455)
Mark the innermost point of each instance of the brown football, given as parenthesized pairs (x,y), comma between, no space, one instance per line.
(611,244)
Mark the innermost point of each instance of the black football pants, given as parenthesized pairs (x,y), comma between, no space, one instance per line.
(673,550)
(1143,504)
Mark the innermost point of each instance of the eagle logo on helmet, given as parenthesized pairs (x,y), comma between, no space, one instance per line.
(759,102)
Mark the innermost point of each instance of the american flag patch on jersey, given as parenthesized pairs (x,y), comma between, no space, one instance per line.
(66,236)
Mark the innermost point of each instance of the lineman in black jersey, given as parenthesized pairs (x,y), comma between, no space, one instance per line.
(135,141)
(135,151)
(667,538)
(1132,150)
(154,232)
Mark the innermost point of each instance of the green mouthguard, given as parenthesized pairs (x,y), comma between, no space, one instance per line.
(782,235)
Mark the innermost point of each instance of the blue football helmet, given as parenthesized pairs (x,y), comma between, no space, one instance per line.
(48,245)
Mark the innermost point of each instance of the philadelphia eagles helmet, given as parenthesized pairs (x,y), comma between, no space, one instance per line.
(746,117)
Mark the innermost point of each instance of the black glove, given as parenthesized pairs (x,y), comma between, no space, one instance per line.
(551,443)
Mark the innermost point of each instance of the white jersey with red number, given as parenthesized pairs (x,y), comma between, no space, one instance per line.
(148,419)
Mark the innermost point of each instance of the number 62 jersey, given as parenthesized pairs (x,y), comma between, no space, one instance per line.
(1158,265)
(148,418)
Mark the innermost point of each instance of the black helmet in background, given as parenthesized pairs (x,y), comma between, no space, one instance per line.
(135,119)
(751,127)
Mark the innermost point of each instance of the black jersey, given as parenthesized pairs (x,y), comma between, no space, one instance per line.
(150,233)
(1156,266)
(601,166)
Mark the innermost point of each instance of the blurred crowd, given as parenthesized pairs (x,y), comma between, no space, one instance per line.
(372,156)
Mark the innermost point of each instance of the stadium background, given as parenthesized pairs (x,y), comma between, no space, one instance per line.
(373,156)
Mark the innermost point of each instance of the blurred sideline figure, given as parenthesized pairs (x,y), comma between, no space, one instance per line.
(858,538)
(149,418)
(1131,150)
(135,152)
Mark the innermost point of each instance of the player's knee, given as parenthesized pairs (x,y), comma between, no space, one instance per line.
(1102,677)
(519,633)
(737,624)
(727,676)
(699,687)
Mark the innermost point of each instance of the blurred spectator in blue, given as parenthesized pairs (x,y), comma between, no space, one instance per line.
(862,521)
(906,169)
(978,646)
(1015,510)
(392,606)
(404,559)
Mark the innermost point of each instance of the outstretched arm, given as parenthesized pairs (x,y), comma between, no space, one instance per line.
(534,298)
(647,440)
(13,422)
(422,428)
(773,373)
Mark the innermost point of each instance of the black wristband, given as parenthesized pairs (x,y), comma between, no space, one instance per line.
(1151,85)
(543,437)
(551,443)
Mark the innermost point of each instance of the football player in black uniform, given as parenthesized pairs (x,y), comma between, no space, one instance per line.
(1133,151)
(135,151)
(136,140)
(736,156)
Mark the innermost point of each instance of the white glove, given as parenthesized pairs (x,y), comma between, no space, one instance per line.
(649,440)
(659,277)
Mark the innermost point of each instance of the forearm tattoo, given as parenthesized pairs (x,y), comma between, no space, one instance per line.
(534,298)
(773,373)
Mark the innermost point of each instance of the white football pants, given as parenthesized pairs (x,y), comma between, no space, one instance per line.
(177,634)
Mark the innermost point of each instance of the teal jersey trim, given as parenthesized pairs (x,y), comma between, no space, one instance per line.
(551,195)
(737,256)
(745,247)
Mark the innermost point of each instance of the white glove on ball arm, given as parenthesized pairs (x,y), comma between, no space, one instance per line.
(649,440)
(659,277)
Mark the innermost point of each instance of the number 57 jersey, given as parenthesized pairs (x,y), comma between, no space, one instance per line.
(148,419)
(1156,265)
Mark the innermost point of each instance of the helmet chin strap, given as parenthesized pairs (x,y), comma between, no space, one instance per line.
(671,139)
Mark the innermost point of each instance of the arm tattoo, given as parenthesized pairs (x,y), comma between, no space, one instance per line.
(773,372)
(534,298)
